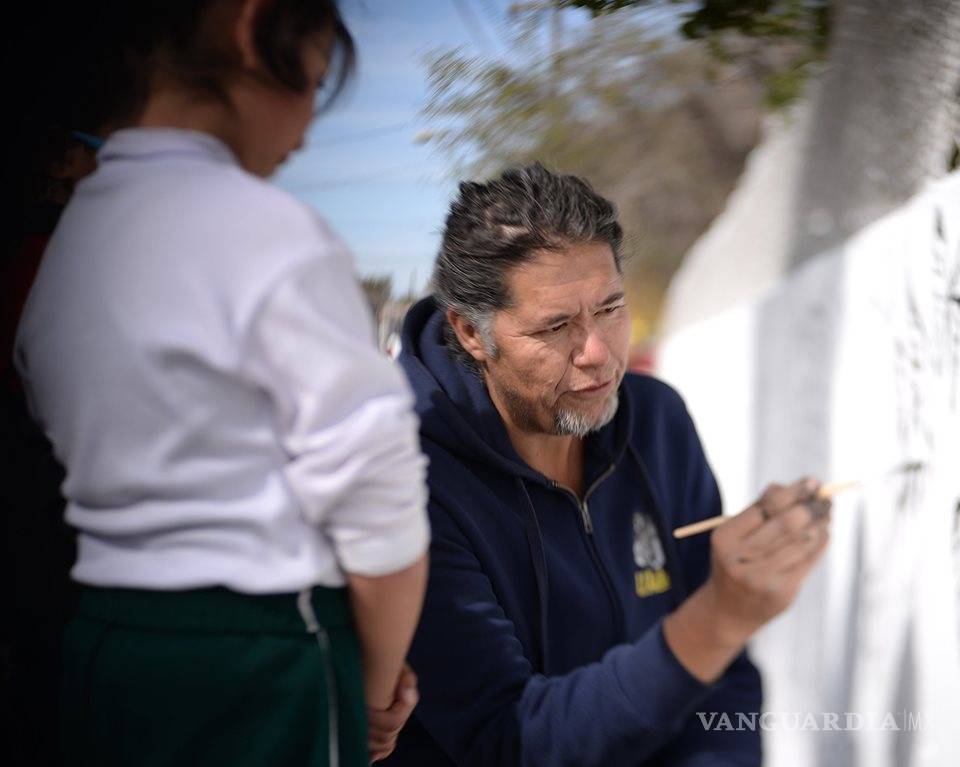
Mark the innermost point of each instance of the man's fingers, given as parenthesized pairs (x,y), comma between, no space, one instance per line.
(778,531)
(777,498)
(785,559)
(740,525)
(799,552)
(799,569)
(820,507)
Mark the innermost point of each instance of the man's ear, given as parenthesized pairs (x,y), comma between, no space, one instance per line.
(245,32)
(468,335)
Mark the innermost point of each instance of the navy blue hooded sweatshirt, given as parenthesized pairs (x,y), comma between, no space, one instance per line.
(540,641)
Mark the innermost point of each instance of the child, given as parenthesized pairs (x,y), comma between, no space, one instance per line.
(241,463)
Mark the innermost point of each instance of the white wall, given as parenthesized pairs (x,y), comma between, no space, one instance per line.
(849,368)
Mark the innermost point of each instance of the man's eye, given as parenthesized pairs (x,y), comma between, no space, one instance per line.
(611,309)
(556,328)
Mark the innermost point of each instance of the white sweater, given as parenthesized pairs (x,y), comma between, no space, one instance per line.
(199,353)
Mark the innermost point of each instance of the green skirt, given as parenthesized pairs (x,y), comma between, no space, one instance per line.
(212,677)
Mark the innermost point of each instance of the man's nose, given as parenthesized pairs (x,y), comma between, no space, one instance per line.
(592,351)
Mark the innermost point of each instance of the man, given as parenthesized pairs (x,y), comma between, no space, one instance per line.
(563,623)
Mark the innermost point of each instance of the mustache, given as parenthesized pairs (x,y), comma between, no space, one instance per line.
(615,374)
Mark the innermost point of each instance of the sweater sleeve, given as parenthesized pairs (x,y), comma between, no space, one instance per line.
(706,738)
(344,417)
(483,704)
(724,730)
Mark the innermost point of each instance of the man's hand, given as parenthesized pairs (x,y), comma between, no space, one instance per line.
(759,558)
(385,725)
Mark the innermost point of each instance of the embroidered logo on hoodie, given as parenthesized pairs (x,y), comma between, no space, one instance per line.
(651,577)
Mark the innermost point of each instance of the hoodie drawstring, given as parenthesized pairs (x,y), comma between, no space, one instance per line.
(531,527)
(669,545)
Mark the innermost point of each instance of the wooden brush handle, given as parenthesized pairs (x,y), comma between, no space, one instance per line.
(826,493)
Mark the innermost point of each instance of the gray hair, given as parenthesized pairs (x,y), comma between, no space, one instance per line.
(494,227)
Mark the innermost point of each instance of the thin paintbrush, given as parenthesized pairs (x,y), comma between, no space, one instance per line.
(825,493)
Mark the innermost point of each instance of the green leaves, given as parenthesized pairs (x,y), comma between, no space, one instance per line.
(658,121)
(803,20)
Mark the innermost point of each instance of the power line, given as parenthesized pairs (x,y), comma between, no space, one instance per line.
(360,178)
(358,135)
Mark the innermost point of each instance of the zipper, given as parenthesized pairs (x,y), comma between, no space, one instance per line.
(583,506)
(584,509)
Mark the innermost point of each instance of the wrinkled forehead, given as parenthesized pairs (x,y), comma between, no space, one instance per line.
(565,281)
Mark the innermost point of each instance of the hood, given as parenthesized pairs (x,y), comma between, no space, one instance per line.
(456,411)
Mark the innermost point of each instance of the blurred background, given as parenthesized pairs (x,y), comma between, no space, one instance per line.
(657,103)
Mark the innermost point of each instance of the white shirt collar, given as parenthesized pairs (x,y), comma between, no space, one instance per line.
(150,143)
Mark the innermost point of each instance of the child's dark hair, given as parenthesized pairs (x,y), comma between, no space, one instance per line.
(177,39)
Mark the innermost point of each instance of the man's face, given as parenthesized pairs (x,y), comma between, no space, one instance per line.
(562,345)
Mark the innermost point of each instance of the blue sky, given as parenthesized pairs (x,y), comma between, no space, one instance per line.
(361,169)
(386,194)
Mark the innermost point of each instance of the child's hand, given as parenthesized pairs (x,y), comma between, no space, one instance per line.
(385,724)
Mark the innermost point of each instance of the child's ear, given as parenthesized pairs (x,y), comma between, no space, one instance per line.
(244,32)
